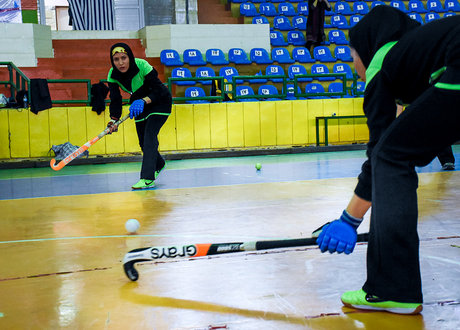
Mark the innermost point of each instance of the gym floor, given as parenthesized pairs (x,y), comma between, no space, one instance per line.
(63,240)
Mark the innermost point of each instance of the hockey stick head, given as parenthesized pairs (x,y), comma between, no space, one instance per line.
(130,271)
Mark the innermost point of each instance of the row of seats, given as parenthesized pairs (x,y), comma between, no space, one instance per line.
(215,56)
(274,73)
(269,9)
(271,93)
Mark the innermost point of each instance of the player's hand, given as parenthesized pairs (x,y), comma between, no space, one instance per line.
(112,126)
(136,108)
(338,236)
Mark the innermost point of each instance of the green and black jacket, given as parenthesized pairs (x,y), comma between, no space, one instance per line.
(140,80)
(403,59)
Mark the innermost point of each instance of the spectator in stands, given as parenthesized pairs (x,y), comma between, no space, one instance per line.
(150,106)
(315,23)
(418,65)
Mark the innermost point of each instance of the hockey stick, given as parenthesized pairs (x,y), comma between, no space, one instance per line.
(83,148)
(200,250)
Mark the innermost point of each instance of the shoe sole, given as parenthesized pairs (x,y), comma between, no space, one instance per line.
(396,310)
(140,188)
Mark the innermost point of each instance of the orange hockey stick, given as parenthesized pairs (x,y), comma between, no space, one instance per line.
(83,148)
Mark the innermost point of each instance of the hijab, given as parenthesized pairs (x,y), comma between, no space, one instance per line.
(126,77)
(380,26)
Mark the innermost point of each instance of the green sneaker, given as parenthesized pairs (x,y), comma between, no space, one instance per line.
(157,173)
(362,300)
(144,184)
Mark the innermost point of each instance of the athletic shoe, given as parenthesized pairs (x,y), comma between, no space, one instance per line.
(362,300)
(144,184)
(157,173)
(448,167)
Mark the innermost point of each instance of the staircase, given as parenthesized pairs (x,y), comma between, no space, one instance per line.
(82,59)
(215,12)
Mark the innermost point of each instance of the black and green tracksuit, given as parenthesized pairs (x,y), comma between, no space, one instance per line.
(420,66)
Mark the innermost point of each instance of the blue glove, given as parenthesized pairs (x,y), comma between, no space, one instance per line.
(339,235)
(136,108)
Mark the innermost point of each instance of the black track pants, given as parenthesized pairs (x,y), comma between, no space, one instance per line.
(147,132)
(427,126)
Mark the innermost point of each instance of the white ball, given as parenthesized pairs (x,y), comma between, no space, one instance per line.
(132,225)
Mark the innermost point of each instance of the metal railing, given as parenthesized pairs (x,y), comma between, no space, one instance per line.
(17,80)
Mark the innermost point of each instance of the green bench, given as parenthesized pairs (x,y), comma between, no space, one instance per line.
(326,119)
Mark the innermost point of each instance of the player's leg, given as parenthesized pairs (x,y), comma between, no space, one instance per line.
(447,159)
(152,157)
(414,139)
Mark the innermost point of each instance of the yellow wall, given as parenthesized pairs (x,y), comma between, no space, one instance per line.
(190,127)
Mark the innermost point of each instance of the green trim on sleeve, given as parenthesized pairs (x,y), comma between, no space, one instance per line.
(377,60)
(435,75)
(452,87)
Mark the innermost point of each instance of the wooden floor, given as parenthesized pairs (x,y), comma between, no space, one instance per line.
(62,240)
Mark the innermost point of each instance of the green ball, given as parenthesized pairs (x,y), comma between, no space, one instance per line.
(258,166)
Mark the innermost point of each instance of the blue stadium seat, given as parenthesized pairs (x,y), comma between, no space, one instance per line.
(360,87)
(336,87)
(248,9)
(193,57)
(282,23)
(245,91)
(260,20)
(339,21)
(377,3)
(302,8)
(268,9)
(360,7)
(286,9)
(228,72)
(302,55)
(296,38)
(299,22)
(258,80)
(277,39)
(452,5)
(431,17)
(274,70)
(434,6)
(323,54)
(260,56)
(290,94)
(337,37)
(449,14)
(416,6)
(343,53)
(195,92)
(343,68)
(417,17)
(297,69)
(216,56)
(398,4)
(238,56)
(314,88)
(281,55)
(268,90)
(343,8)
(182,73)
(354,19)
(204,72)
(170,57)
(321,69)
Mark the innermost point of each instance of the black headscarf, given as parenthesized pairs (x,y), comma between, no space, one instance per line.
(380,26)
(124,78)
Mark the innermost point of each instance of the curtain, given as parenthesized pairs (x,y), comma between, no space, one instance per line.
(91,14)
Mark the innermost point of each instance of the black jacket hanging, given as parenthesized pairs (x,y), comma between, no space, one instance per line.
(99,92)
(40,95)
